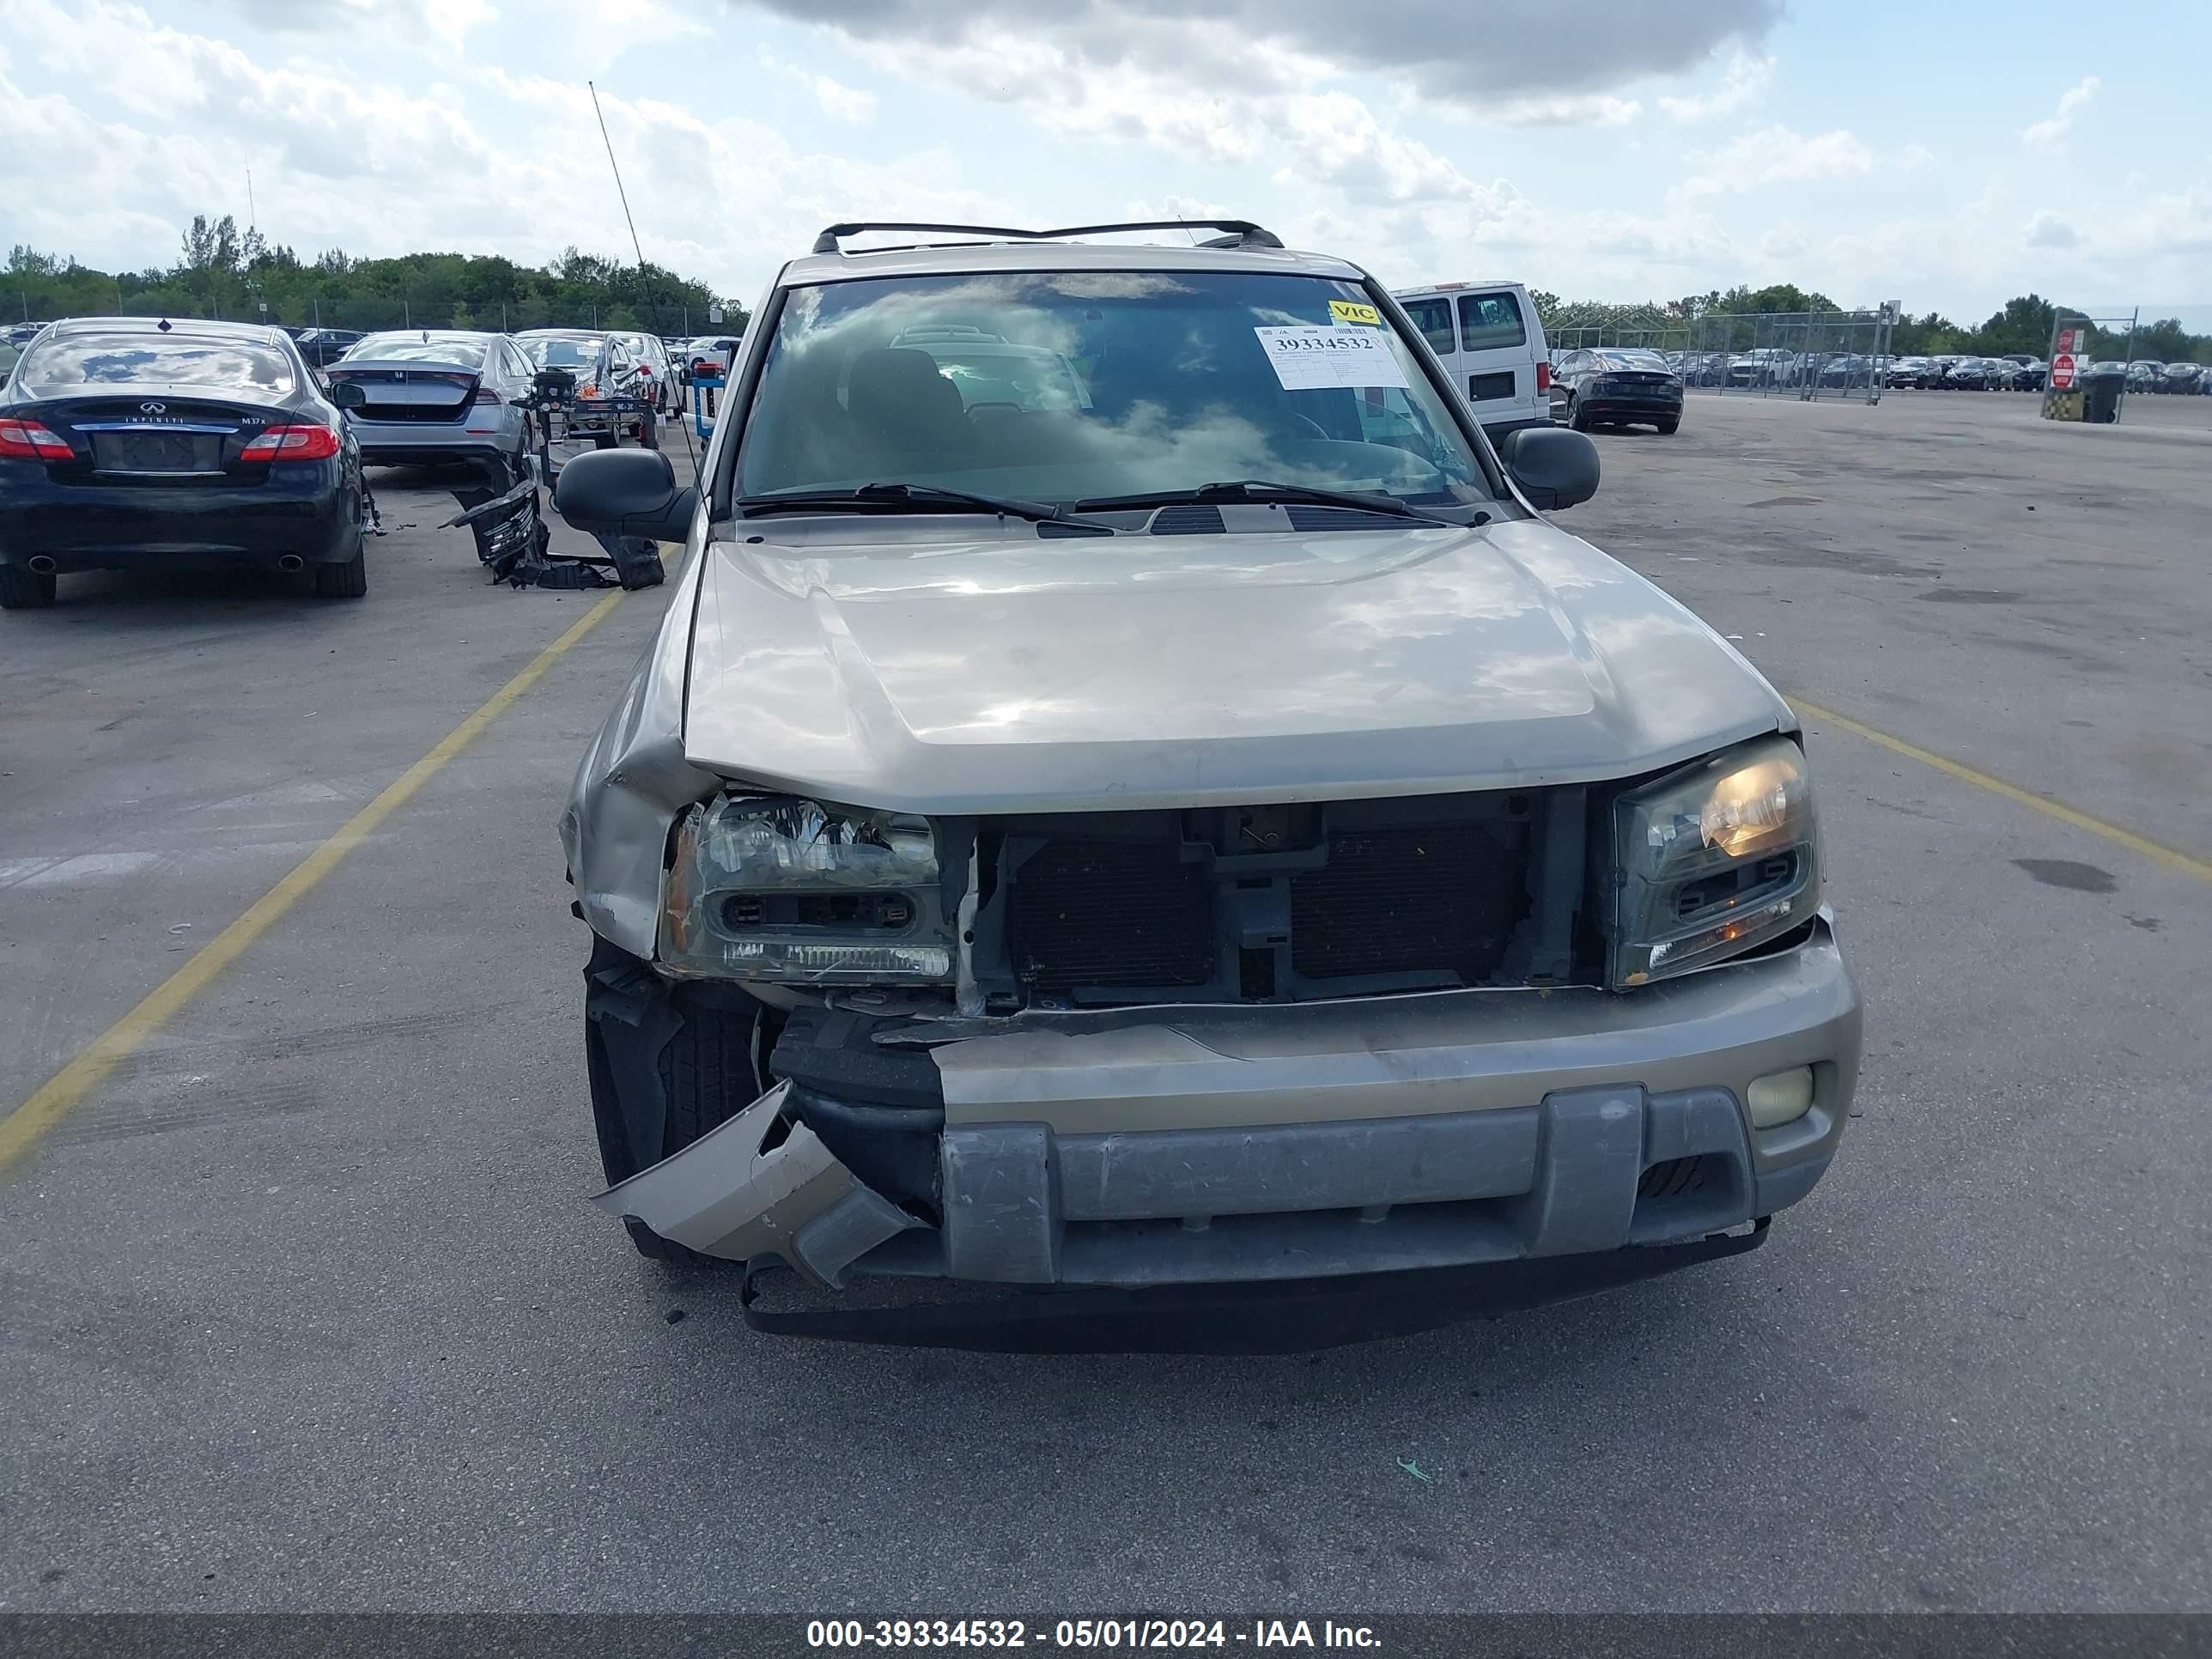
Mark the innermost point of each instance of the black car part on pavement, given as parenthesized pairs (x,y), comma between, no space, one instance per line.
(513,541)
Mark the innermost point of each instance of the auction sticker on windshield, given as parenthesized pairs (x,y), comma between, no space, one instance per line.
(1308,358)
(1344,312)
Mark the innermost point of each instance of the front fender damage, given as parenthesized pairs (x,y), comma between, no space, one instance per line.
(762,1185)
(632,785)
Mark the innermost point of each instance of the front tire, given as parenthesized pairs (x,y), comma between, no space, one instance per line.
(1577,418)
(22,588)
(691,1072)
(1669,428)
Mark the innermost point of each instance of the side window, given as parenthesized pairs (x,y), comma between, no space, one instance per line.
(1489,321)
(1433,319)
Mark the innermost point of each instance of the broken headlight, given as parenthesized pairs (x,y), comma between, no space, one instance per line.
(1713,861)
(769,887)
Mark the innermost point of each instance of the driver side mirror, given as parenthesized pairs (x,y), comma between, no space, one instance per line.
(1553,467)
(348,394)
(625,492)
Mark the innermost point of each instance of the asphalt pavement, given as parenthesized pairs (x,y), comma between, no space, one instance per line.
(303,1309)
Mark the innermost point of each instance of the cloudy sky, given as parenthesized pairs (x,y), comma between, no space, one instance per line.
(1947,154)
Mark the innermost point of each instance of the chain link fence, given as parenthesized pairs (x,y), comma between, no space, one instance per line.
(1809,354)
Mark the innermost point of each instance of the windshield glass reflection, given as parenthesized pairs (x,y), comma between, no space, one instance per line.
(1062,387)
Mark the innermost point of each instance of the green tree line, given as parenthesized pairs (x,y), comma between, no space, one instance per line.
(223,271)
(2022,324)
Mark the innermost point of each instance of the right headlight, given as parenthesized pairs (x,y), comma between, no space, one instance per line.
(770,887)
(1713,861)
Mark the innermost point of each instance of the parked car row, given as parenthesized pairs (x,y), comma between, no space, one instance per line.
(126,440)
(2184,380)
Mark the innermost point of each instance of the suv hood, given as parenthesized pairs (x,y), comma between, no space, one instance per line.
(1018,673)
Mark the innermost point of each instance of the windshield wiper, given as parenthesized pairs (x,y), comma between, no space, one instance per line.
(913,498)
(1262,491)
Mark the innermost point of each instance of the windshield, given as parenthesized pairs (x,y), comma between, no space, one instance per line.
(1061,386)
(459,349)
(170,360)
(561,354)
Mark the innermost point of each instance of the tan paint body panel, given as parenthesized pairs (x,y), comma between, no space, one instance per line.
(1008,673)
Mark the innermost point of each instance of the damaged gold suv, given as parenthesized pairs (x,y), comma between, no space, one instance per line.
(1344,871)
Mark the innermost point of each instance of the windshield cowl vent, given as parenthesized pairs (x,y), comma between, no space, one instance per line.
(1340,518)
(1195,518)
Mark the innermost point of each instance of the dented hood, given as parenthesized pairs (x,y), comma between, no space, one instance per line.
(1021,673)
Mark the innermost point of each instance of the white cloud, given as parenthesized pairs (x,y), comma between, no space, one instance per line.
(1453,51)
(1743,84)
(2050,134)
(838,100)
(447,22)
(1572,109)
(2047,229)
(1913,158)
(1775,155)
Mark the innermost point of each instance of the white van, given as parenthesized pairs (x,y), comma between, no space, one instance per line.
(1492,346)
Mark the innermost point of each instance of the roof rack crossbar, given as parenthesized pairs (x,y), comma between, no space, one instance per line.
(1244,232)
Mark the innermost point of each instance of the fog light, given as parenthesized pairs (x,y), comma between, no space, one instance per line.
(1780,1097)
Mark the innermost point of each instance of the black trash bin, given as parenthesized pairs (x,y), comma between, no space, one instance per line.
(2100,396)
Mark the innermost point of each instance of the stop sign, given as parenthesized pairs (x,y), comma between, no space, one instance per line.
(2062,372)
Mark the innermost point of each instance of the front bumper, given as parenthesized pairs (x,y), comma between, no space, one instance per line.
(1222,1144)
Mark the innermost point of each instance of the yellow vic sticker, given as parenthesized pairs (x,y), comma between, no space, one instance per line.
(1341,312)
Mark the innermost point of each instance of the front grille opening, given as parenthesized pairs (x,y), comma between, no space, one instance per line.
(1410,898)
(1107,914)
(1281,903)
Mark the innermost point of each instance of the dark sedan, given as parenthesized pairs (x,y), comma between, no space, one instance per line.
(126,442)
(324,346)
(1616,386)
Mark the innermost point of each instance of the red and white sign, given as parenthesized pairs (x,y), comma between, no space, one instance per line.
(2071,340)
(2062,371)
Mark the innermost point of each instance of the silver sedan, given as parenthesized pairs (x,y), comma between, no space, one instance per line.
(439,396)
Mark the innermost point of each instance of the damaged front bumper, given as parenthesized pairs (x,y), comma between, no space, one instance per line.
(1221,1145)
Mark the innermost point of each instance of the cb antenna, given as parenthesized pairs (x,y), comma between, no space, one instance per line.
(615,168)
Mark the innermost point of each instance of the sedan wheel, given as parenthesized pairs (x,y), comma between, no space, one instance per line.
(348,580)
(24,589)
(1576,417)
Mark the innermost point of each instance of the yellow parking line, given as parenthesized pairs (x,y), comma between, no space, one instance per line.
(61,1093)
(2173,858)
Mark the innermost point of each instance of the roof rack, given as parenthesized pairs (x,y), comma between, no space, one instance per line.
(1243,233)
